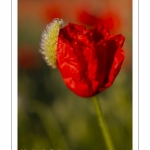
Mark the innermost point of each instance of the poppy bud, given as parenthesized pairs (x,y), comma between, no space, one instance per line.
(49,42)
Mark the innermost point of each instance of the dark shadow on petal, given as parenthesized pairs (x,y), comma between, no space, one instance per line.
(99,33)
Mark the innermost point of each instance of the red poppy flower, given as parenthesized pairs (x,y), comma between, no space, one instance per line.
(88,59)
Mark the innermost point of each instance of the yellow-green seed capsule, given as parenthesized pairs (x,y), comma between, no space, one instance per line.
(49,41)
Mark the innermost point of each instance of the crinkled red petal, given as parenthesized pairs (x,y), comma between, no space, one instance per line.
(89,60)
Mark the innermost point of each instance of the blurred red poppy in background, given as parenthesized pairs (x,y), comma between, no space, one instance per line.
(28,58)
(50,11)
(108,18)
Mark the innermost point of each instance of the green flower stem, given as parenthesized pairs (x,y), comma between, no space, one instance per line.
(102,124)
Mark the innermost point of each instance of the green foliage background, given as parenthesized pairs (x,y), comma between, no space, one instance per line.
(50,116)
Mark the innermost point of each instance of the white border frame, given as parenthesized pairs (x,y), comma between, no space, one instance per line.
(11,107)
(135,75)
(5,75)
(14,65)
(144,75)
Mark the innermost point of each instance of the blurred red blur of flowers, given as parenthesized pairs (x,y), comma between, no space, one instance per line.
(108,18)
(28,58)
(89,60)
(50,11)
(88,19)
